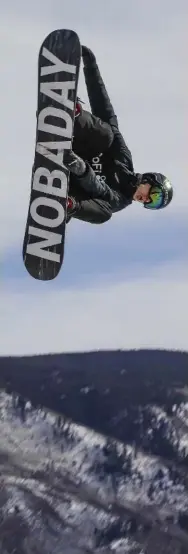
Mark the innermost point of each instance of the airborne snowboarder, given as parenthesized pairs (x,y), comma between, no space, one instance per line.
(102,177)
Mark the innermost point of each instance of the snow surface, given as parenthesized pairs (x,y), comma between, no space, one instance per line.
(58,493)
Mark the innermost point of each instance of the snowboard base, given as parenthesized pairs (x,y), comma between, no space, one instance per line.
(58,72)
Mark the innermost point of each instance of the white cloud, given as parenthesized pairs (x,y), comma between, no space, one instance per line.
(145,313)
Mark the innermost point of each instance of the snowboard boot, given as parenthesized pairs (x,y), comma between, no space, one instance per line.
(78,108)
(72,207)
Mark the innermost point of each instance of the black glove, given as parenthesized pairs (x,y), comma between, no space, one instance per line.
(74,163)
(88,56)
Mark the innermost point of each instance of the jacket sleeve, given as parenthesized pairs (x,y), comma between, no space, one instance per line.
(101,107)
(97,188)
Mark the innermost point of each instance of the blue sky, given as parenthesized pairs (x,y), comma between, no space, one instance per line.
(127,252)
(123,284)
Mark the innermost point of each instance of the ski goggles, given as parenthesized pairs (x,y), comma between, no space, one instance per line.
(156,199)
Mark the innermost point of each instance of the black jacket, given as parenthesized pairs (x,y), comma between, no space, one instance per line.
(115,184)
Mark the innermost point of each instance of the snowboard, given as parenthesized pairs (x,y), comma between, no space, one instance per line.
(58,72)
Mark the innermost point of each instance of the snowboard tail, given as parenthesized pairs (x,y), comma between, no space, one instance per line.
(58,72)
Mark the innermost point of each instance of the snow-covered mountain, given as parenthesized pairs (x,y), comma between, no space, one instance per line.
(65,488)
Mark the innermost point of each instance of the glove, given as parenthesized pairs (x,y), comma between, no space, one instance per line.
(75,164)
(88,56)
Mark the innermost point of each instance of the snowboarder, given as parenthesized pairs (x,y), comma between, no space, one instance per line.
(102,177)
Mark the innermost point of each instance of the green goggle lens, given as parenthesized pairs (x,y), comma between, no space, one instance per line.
(156,199)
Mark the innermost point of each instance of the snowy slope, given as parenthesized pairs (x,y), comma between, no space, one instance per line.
(65,488)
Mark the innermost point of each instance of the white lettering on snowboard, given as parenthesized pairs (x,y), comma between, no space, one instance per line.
(49,188)
(55,112)
(49,239)
(51,203)
(56,65)
(49,88)
(44,181)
